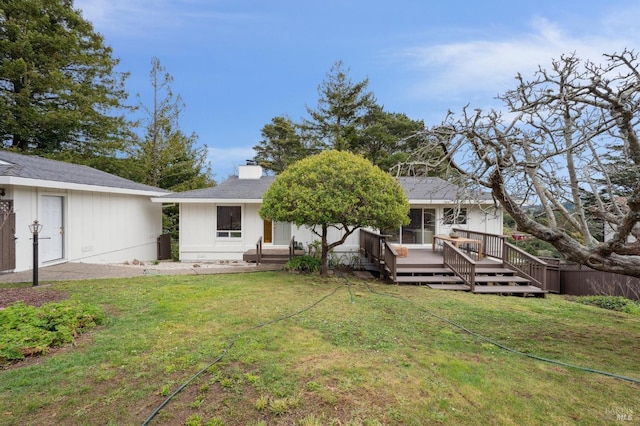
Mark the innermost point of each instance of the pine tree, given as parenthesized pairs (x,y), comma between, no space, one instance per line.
(60,91)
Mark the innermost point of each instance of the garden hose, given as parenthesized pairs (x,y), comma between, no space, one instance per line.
(348,283)
(228,348)
(501,346)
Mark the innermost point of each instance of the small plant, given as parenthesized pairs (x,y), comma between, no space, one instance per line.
(279,406)
(304,264)
(311,420)
(166,389)
(313,386)
(198,402)
(252,379)
(194,420)
(226,383)
(262,403)
(313,249)
(613,303)
(28,330)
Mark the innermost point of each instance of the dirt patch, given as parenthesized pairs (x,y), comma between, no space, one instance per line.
(34,296)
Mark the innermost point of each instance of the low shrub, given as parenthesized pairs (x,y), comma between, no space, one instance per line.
(613,303)
(29,330)
(304,263)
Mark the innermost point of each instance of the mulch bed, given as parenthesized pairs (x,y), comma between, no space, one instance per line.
(30,296)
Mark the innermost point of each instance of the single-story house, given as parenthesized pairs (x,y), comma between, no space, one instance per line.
(222,222)
(86,215)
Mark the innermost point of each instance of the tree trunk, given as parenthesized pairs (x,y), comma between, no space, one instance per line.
(324,271)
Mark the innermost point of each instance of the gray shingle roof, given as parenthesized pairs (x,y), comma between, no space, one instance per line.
(434,188)
(233,188)
(38,168)
(416,188)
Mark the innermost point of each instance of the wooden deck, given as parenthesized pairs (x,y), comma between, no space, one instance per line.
(424,266)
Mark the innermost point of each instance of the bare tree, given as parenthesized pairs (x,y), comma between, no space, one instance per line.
(548,148)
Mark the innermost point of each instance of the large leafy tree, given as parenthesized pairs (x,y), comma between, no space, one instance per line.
(555,143)
(59,90)
(338,190)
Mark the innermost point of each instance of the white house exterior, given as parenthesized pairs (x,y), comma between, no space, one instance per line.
(221,223)
(87,215)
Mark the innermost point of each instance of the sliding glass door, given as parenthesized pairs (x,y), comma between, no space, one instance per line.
(420,230)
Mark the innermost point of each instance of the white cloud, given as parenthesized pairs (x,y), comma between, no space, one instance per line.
(489,66)
(146,17)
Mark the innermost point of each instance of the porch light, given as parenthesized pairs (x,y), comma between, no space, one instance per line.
(35,229)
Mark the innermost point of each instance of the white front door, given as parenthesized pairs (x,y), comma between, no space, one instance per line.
(50,238)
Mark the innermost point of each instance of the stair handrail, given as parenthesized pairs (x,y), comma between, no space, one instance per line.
(259,251)
(292,247)
(492,244)
(526,265)
(461,264)
(372,246)
(390,256)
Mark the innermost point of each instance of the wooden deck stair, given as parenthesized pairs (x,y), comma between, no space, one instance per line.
(485,272)
(271,256)
(491,276)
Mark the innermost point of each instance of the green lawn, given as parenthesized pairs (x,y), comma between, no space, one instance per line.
(349,352)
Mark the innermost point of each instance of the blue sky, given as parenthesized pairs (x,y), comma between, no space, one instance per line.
(239,63)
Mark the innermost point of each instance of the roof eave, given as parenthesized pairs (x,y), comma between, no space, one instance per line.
(40,183)
(206,200)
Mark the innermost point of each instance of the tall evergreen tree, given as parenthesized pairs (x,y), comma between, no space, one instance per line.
(281,145)
(58,87)
(341,111)
(166,157)
(387,139)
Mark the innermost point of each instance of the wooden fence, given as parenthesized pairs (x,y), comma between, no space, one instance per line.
(580,280)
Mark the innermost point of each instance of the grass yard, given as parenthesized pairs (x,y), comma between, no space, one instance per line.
(349,352)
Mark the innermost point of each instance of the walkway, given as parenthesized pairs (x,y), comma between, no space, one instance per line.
(88,271)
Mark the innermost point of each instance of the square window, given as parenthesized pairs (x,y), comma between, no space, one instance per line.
(229,222)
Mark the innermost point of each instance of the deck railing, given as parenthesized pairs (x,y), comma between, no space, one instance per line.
(526,264)
(390,256)
(373,244)
(460,263)
(492,244)
(259,251)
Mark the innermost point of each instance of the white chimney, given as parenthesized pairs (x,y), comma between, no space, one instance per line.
(250,171)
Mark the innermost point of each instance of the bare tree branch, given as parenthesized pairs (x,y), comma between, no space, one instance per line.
(561,144)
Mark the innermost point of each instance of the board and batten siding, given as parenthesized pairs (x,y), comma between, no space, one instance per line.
(198,239)
(99,227)
(199,243)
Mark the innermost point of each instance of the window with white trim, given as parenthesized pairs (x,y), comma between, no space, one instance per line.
(229,222)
